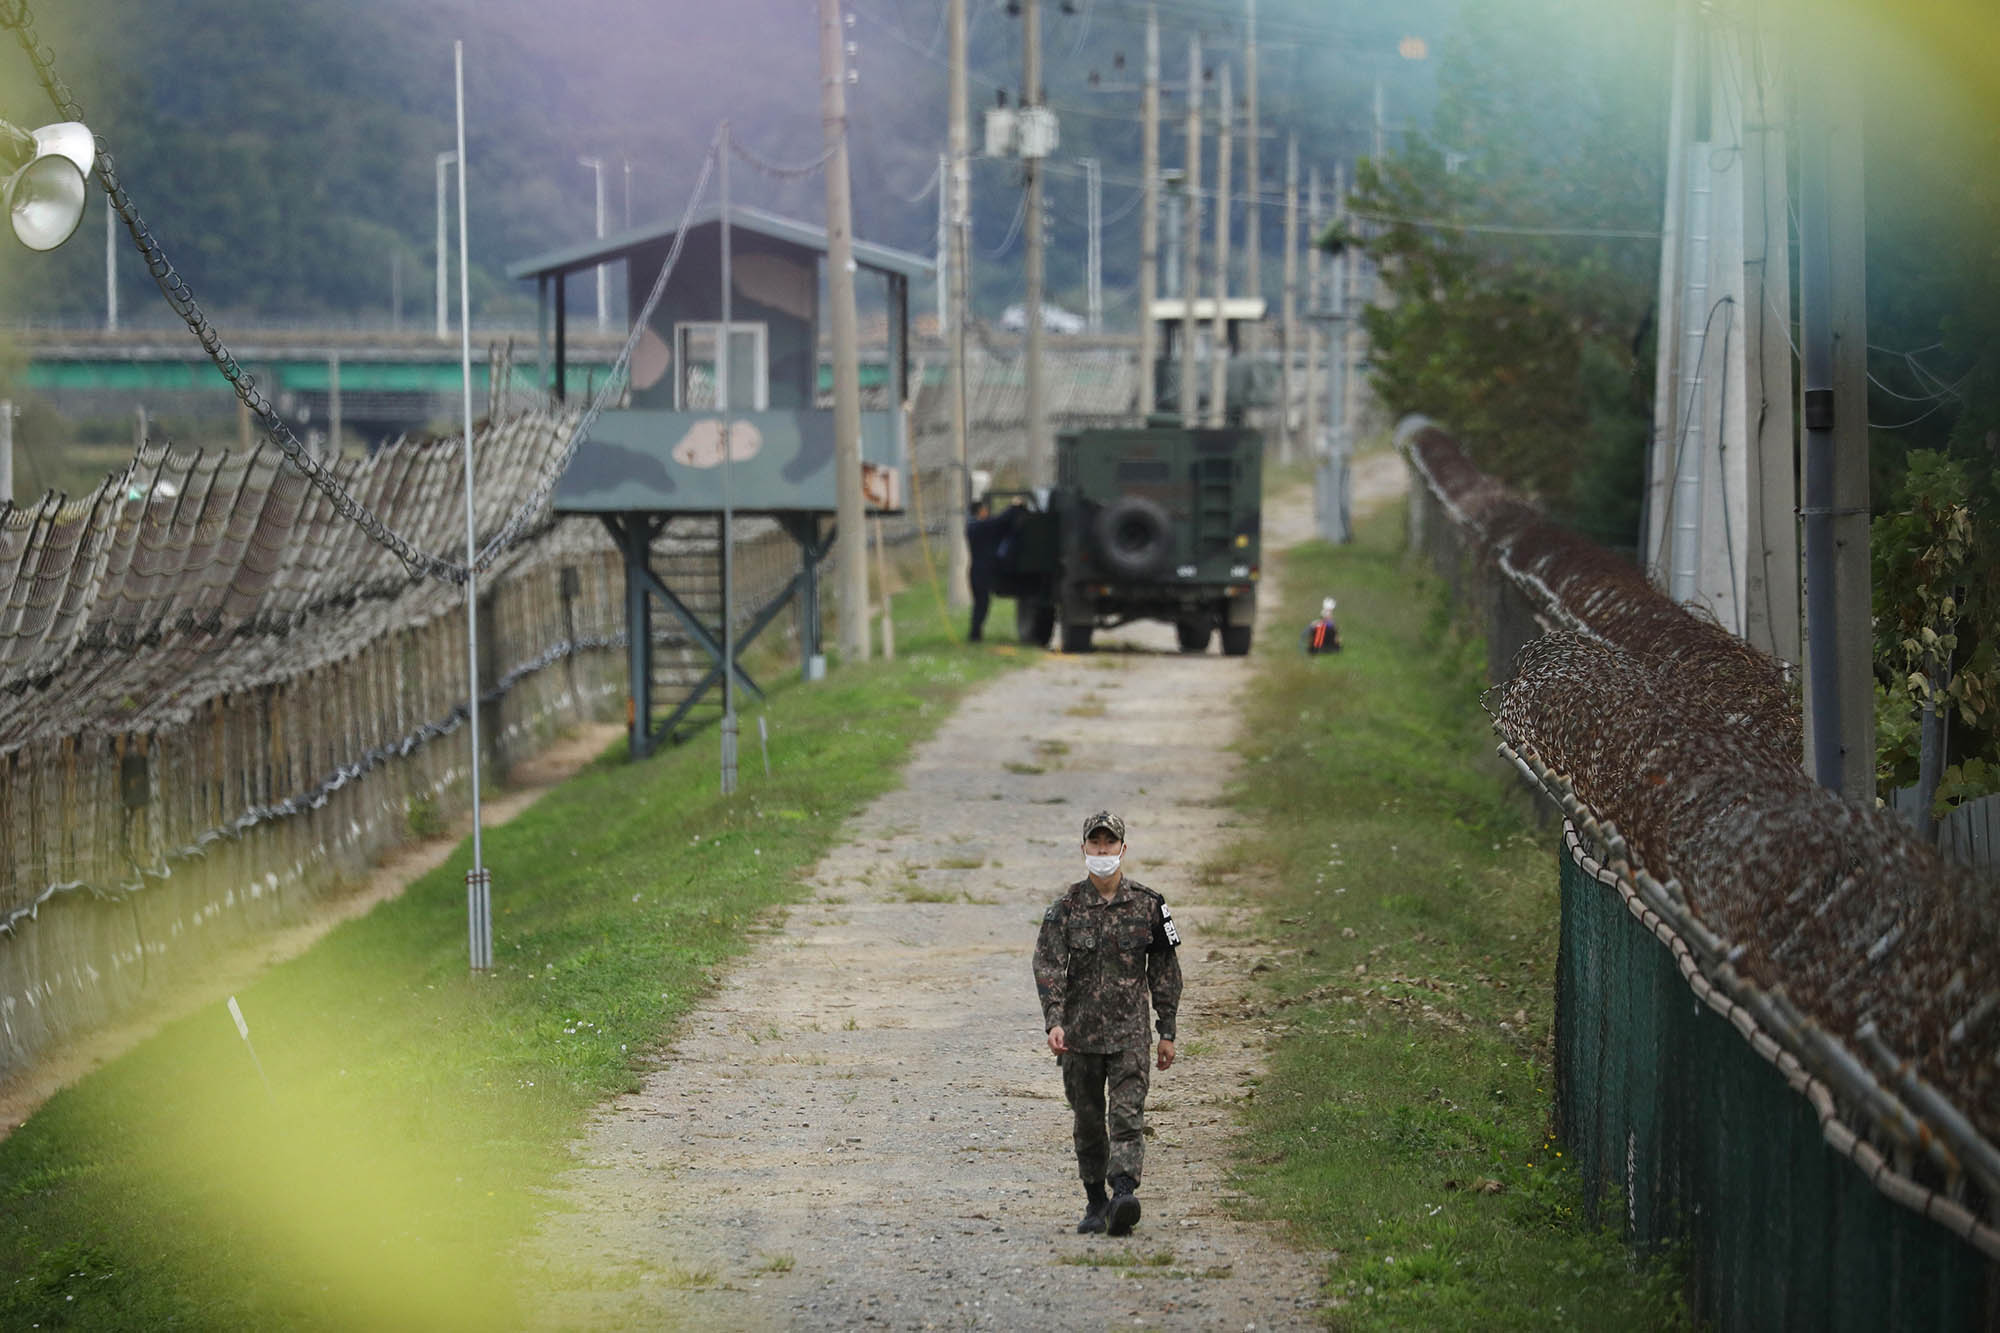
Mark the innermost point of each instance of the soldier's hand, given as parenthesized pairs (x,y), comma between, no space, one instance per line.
(1056,1042)
(1166,1054)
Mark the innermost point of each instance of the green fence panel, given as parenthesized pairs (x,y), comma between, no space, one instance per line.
(1670,1114)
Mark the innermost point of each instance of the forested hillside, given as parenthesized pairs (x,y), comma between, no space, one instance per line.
(285,153)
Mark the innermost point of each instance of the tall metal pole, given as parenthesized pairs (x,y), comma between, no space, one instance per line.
(850,557)
(1289,328)
(110,267)
(1149,209)
(1339,417)
(596,166)
(724,404)
(943,242)
(1094,256)
(1656,551)
(1839,713)
(1822,694)
(959,183)
(443,269)
(1190,392)
(1315,311)
(6,451)
(1253,220)
(333,424)
(1218,364)
(1690,446)
(1041,449)
(1378,120)
(478,883)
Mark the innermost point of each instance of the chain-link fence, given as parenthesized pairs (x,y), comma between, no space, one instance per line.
(1833,1131)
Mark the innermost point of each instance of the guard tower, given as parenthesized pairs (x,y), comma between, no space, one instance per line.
(659,458)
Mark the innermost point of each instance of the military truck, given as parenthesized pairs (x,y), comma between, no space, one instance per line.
(1153,522)
(1150,523)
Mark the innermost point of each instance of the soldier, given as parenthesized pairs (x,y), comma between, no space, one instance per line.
(986,536)
(1105,945)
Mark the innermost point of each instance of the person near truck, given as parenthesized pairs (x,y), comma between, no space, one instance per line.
(985,535)
(1107,946)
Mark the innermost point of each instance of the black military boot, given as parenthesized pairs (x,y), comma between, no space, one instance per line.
(1124,1205)
(1094,1213)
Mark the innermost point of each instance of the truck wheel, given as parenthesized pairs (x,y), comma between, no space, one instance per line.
(1236,639)
(1034,620)
(1194,634)
(1135,536)
(1076,637)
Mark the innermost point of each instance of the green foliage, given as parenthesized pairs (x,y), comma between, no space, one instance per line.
(1403,1124)
(416,1114)
(1936,616)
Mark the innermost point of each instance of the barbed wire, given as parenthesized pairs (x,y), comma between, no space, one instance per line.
(181,298)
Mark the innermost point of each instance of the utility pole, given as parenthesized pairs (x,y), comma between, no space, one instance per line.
(1839,695)
(1666,370)
(1218,365)
(1771,603)
(1689,440)
(1094,256)
(723,405)
(1253,221)
(1149,209)
(110,267)
(851,550)
(1315,312)
(596,166)
(944,242)
(444,160)
(1190,393)
(395,291)
(1289,329)
(1378,119)
(1041,450)
(6,451)
(1340,378)
(960,185)
(333,425)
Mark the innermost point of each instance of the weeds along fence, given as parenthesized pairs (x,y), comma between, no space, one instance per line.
(220,700)
(1777,1011)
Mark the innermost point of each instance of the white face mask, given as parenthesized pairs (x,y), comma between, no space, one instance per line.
(1102,865)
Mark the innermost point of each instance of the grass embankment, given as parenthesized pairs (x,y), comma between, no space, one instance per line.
(1405,1120)
(414,1111)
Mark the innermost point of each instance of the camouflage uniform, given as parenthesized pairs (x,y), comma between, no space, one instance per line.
(1096,960)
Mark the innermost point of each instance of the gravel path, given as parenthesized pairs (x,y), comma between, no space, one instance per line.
(862,1126)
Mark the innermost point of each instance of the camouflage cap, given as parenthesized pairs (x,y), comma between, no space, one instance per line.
(1107,821)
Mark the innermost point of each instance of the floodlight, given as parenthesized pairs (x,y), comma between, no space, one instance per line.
(46,185)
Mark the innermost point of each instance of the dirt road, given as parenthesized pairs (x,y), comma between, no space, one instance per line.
(863,1127)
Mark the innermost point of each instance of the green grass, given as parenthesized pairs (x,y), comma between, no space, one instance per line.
(415,1112)
(1412,902)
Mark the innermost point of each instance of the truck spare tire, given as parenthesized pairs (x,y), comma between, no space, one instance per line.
(1134,536)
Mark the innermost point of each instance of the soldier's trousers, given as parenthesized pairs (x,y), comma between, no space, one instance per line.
(1107,1095)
